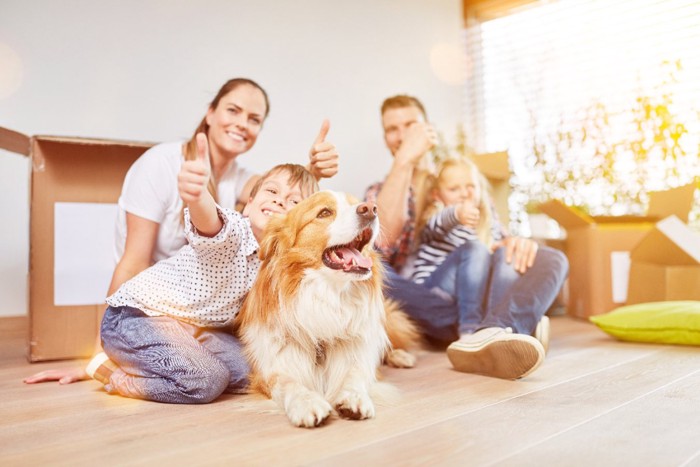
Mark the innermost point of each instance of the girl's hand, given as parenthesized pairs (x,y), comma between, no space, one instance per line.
(62,375)
(468,214)
(194,175)
(520,252)
(323,157)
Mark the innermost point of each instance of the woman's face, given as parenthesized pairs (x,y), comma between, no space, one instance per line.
(457,184)
(236,121)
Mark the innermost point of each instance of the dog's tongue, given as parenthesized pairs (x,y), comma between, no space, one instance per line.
(349,254)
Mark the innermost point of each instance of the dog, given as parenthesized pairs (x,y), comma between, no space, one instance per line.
(314,323)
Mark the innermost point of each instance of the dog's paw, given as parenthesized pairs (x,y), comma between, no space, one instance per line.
(308,410)
(399,358)
(354,406)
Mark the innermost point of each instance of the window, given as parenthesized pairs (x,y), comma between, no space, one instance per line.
(596,101)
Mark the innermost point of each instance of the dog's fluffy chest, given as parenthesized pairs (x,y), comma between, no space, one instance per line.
(333,309)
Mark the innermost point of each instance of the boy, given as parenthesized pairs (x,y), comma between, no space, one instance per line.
(166,334)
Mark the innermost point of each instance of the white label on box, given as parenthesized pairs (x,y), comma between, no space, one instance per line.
(620,265)
(83,252)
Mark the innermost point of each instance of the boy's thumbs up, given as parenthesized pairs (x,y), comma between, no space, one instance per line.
(325,126)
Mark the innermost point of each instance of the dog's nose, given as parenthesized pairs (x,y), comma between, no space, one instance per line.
(367,210)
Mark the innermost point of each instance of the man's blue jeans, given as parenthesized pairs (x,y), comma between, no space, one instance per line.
(474,289)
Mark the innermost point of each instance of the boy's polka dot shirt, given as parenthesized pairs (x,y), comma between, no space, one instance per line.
(205,282)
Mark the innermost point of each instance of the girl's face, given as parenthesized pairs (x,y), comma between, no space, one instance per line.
(457,184)
(236,121)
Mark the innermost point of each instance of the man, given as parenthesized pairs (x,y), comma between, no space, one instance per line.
(500,345)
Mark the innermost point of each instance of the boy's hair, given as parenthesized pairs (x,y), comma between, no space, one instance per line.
(297,175)
(401,101)
(483,230)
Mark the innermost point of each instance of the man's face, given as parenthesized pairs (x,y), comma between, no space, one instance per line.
(395,122)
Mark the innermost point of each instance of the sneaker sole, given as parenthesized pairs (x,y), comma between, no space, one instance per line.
(511,356)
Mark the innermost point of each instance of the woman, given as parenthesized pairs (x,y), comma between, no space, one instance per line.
(149,224)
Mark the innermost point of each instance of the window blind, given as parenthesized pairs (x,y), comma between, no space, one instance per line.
(596,101)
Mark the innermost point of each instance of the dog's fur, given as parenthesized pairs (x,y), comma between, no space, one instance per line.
(313,324)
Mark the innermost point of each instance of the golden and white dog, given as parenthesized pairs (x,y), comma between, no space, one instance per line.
(314,322)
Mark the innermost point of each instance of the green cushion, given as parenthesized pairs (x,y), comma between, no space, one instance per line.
(661,322)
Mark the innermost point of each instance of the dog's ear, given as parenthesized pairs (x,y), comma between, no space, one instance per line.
(279,236)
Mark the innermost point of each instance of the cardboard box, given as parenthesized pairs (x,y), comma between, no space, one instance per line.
(495,168)
(64,170)
(598,248)
(666,264)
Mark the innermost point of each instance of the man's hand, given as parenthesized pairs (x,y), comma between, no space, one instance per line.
(323,157)
(419,139)
(520,252)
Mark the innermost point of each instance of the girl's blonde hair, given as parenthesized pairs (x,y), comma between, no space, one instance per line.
(427,206)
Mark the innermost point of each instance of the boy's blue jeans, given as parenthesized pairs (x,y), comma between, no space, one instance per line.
(474,289)
(166,360)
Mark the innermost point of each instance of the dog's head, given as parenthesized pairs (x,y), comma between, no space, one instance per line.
(327,230)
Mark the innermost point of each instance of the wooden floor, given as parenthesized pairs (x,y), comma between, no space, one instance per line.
(594,402)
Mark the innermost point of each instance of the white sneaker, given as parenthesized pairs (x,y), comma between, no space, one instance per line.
(496,352)
(542,333)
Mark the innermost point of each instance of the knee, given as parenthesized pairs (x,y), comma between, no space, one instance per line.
(474,252)
(554,261)
(202,387)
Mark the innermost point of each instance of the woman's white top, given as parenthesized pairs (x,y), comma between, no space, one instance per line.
(150,191)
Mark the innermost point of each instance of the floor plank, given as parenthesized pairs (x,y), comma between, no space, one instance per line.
(595,401)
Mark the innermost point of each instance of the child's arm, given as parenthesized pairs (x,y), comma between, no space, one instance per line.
(192,184)
(440,224)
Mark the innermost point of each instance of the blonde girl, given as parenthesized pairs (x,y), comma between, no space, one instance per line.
(458,209)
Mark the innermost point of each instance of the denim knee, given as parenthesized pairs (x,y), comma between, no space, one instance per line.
(555,261)
(474,252)
(203,385)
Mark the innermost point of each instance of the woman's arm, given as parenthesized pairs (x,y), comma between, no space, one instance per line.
(141,237)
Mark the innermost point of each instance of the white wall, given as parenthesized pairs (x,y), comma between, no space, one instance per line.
(146,70)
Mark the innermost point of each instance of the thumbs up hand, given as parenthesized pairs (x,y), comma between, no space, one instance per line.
(192,182)
(323,157)
(194,175)
(468,213)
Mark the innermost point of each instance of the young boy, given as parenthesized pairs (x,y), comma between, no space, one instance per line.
(166,333)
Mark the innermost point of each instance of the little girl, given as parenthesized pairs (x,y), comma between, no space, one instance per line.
(502,285)
(458,211)
(167,334)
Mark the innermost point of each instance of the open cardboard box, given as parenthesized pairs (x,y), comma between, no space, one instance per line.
(64,170)
(666,264)
(496,169)
(598,248)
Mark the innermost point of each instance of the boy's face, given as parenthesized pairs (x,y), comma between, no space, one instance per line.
(274,196)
